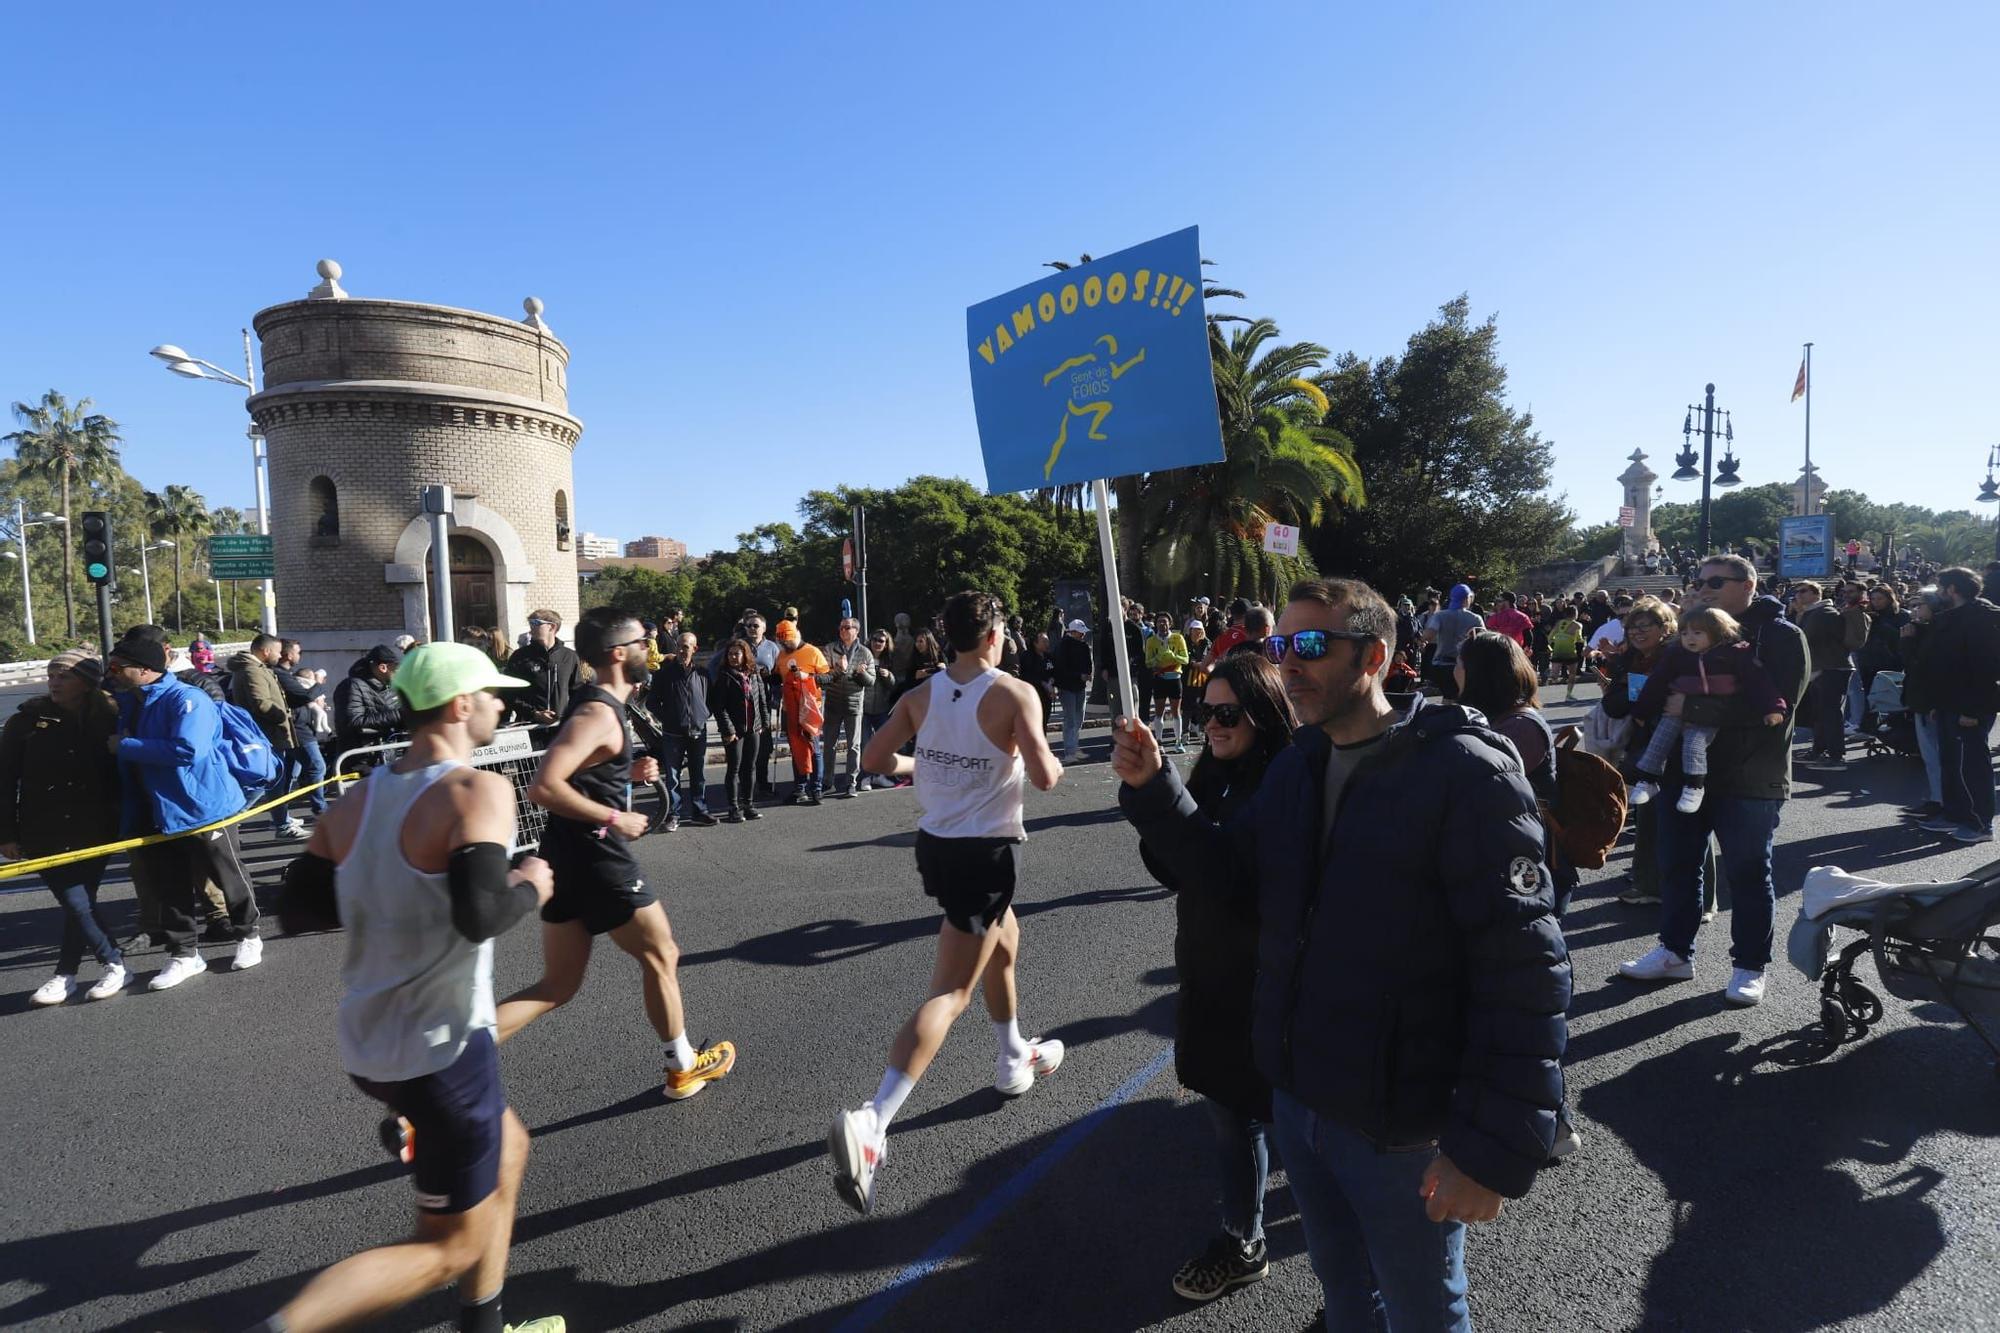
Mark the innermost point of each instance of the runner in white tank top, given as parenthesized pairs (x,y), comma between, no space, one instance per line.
(976,734)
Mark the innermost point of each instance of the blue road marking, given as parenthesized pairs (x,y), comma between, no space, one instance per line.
(1000,1200)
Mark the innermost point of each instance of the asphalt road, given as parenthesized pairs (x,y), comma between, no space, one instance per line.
(184,1160)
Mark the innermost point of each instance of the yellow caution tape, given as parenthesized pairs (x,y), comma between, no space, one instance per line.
(15,869)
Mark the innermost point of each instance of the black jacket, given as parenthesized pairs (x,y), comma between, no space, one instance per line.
(1411,981)
(1883,650)
(1916,651)
(58,781)
(1072,663)
(1215,954)
(678,697)
(365,710)
(1961,663)
(299,696)
(553,675)
(1747,758)
(738,711)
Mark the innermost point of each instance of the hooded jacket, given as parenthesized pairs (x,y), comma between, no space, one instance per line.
(365,710)
(171,762)
(1960,670)
(1411,979)
(553,674)
(254,687)
(58,781)
(1748,759)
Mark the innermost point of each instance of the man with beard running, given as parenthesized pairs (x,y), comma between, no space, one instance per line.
(585,783)
(975,729)
(415,868)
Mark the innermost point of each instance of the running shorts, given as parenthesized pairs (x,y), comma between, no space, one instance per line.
(455,1117)
(600,907)
(973,879)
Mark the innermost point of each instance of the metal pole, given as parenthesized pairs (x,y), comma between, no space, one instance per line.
(861,566)
(146,576)
(27,597)
(104,619)
(1121,698)
(220,623)
(260,464)
(1707,459)
(1805,479)
(437,502)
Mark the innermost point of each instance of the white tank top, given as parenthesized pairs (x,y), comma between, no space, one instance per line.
(415,989)
(967,787)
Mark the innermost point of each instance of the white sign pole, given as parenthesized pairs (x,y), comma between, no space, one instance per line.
(1121,699)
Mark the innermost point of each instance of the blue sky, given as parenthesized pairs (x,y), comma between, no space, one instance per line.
(758,228)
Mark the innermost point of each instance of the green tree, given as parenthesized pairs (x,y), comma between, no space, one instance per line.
(68,444)
(1455,475)
(178,513)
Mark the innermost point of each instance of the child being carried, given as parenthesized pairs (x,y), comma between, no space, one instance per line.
(1711,661)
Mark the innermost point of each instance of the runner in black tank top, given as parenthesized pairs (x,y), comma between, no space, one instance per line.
(585,783)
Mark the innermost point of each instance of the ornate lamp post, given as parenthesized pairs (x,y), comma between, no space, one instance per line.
(1711,473)
(1989,492)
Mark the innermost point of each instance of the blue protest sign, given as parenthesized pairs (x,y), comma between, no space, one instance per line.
(1805,546)
(1098,371)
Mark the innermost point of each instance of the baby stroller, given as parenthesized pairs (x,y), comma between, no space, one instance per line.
(1889,727)
(1930,942)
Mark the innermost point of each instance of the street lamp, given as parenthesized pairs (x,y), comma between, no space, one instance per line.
(145,571)
(179,362)
(1989,492)
(1724,473)
(20,534)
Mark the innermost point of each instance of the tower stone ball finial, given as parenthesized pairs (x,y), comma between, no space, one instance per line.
(329,288)
(533,318)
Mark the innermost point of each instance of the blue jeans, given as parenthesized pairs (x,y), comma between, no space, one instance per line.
(303,767)
(75,887)
(1072,702)
(691,753)
(1966,766)
(1380,1261)
(1927,746)
(1245,1160)
(1744,828)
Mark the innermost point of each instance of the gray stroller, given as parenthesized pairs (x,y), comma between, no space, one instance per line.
(1932,942)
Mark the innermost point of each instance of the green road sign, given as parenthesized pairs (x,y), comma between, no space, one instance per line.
(240,546)
(227,570)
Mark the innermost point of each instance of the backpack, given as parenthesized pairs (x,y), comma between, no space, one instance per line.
(246,750)
(1589,810)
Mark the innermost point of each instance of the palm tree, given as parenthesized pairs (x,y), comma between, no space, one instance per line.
(65,444)
(178,512)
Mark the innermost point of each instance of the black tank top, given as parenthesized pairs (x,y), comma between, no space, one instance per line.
(574,848)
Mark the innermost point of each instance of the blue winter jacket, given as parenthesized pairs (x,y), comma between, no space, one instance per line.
(172,756)
(1411,981)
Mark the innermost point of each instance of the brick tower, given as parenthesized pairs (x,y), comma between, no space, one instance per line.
(365,403)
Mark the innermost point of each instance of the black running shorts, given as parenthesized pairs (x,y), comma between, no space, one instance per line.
(973,879)
(455,1117)
(600,907)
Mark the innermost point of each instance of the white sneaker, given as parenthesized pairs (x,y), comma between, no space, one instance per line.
(857,1145)
(249,953)
(293,832)
(1642,792)
(1662,964)
(1044,1058)
(176,971)
(110,983)
(1745,988)
(55,990)
(1690,800)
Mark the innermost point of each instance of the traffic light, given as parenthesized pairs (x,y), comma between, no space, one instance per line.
(97,562)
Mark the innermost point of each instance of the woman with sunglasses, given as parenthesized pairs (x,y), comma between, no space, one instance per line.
(1249,720)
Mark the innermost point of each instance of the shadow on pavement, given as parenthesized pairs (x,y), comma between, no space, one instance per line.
(1837,1250)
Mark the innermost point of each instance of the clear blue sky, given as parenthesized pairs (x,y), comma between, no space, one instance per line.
(758,232)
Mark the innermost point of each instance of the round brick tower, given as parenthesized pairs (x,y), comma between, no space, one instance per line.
(367,402)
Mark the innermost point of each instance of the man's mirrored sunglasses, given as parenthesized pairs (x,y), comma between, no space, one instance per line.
(1310,644)
(1715,582)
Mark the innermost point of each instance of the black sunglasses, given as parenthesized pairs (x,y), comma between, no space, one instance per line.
(1310,644)
(1714,582)
(1227,715)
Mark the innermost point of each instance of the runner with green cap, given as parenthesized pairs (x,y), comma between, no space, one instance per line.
(414,866)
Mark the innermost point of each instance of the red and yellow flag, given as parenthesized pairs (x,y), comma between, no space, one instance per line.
(1799,385)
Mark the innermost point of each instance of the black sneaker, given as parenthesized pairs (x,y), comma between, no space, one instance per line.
(734,816)
(1927,810)
(812,798)
(752,812)
(1227,1262)
(701,819)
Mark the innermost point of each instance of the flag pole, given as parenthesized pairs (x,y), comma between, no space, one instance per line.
(1805,478)
(1121,697)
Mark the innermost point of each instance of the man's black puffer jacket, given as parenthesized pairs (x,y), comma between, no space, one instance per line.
(1412,981)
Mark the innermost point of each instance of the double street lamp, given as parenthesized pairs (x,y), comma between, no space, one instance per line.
(1711,473)
(194,368)
(145,572)
(20,534)
(1989,492)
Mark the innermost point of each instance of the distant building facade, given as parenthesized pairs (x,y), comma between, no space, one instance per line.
(657,548)
(366,402)
(590,546)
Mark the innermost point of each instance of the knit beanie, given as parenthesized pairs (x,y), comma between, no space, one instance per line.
(79,660)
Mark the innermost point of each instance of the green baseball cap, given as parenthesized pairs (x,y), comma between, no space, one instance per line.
(434,673)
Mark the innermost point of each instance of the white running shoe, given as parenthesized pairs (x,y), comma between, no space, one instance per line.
(54,991)
(1642,792)
(1745,988)
(857,1145)
(1044,1058)
(249,953)
(176,971)
(1662,964)
(110,983)
(293,832)
(1690,800)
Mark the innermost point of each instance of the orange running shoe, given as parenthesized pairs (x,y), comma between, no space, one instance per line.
(399,1139)
(712,1064)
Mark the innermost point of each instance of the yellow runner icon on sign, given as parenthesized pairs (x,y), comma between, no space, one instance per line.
(1089,392)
